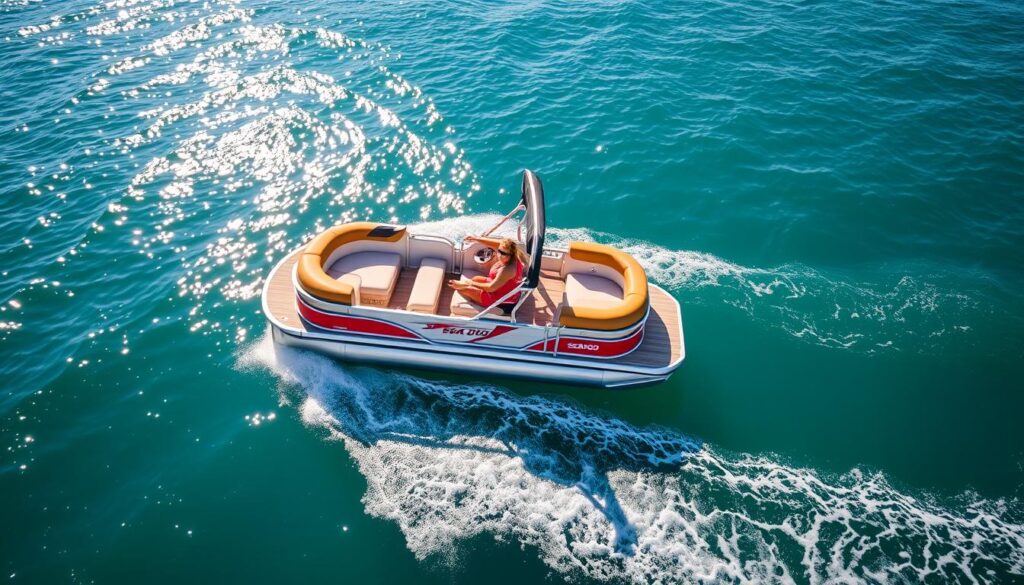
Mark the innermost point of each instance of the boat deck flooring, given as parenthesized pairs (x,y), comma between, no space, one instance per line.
(661,346)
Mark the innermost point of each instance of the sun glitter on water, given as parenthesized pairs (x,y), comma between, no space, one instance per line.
(238,141)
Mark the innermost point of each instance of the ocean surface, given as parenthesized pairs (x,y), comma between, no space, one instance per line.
(834,192)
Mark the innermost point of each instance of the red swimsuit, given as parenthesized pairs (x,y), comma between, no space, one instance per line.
(488,298)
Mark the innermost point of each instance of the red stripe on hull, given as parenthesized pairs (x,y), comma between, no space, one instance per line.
(498,330)
(351,324)
(591,347)
(577,346)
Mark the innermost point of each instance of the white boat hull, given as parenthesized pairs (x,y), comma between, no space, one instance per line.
(378,310)
(389,353)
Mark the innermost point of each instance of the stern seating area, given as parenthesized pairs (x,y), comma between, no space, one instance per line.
(360,263)
(364,272)
(585,290)
(605,289)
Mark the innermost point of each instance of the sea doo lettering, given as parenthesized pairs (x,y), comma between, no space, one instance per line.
(464,331)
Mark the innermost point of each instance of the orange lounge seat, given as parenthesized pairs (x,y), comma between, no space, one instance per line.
(593,298)
(345,289)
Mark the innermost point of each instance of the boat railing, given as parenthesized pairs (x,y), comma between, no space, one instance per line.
(502,221)
(432,238)
(522,288)
(556,338)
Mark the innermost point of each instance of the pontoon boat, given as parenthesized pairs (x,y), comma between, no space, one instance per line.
(377,294)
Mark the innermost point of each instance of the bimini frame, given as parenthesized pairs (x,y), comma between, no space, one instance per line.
(532,203)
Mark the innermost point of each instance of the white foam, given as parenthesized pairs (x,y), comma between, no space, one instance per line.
(600,498)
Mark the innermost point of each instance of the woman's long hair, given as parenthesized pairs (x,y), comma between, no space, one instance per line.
(516,250)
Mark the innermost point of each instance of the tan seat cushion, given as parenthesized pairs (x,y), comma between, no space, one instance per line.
(377,272)
(426,289)
(592,292)
(466,308)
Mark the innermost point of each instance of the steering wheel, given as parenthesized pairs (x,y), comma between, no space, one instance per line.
(483,255)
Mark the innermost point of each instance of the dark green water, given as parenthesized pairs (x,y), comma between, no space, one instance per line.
(833,191)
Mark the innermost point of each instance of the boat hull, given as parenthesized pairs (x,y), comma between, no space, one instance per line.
(385,353)
(487,346)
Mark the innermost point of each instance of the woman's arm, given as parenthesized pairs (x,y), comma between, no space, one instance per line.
(489,242)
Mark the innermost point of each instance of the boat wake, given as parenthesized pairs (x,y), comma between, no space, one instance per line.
(598,498)
(905,313)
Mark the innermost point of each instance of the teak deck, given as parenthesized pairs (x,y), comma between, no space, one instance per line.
(661,345)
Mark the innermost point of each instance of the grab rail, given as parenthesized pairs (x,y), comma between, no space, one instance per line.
(433,238)
(558,337)
(518,208)
(558,328)
(519,288)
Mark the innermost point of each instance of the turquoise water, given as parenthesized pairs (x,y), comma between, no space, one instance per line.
(833,191)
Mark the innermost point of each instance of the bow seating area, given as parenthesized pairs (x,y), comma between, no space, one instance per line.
(605,289)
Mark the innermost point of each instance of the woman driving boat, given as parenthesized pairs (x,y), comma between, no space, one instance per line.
(505,275)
